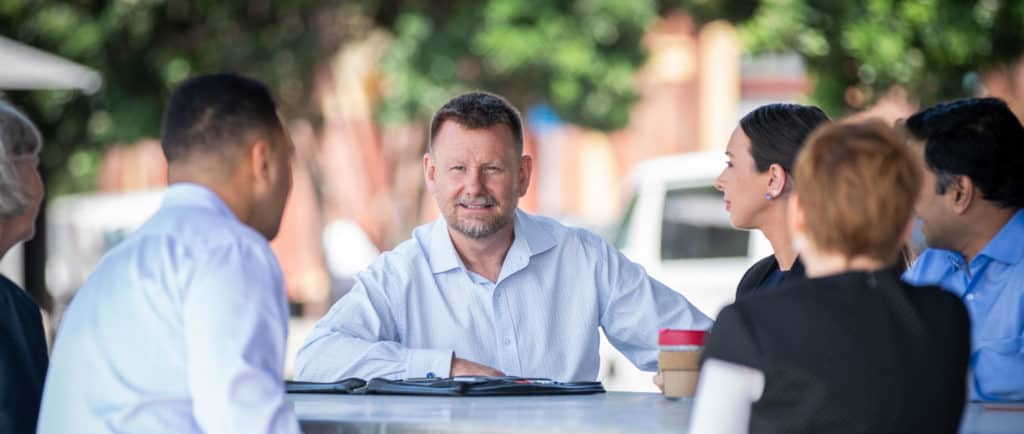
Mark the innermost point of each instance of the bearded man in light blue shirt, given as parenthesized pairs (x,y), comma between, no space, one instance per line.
(182,326)
(971,209)
(489,289)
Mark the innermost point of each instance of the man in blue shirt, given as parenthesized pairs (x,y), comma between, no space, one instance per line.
(489,289)
(970,206)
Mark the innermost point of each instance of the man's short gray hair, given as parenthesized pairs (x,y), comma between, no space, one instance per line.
(19,138)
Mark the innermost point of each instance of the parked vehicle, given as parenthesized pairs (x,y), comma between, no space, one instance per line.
(676,226)
(82,227)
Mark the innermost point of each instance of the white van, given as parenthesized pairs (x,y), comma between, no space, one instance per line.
(81,228)
(675,225)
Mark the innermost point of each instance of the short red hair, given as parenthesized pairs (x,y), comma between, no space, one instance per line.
(858,185)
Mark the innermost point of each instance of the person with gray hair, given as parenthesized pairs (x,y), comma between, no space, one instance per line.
(23,360)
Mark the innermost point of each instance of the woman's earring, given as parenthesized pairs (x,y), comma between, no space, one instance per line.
(768,196)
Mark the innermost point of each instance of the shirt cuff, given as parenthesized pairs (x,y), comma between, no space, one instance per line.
(425,363)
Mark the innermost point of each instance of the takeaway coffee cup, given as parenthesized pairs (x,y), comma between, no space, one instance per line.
(679,360)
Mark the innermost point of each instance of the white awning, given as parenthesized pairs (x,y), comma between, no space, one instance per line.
(23,67)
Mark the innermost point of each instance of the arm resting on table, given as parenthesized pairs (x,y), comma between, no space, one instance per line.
(358,338)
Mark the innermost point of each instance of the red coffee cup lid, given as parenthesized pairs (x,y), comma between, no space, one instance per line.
(681,337)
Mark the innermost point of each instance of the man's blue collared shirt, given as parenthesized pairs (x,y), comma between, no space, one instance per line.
(992,288)
(418,303)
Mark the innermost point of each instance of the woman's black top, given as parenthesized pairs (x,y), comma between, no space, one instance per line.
(765,275)
(23,359)
(856,352)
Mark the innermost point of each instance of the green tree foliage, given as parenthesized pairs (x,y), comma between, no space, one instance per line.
(935,49)
(143,48)
(579,56)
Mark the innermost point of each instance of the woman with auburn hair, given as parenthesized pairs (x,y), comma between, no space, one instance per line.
(852,348)
(756,185)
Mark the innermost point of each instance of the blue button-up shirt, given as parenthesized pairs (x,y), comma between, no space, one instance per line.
(180,329)
(992,288)
(418,304)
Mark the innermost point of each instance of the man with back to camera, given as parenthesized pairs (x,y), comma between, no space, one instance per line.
(182,326)
(489,289)
(970,208)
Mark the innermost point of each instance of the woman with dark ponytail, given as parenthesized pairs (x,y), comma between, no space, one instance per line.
(757,182)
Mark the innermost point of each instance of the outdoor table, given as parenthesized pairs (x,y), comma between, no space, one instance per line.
(613,412)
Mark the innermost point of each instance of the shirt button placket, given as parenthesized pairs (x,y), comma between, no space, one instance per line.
(506,351)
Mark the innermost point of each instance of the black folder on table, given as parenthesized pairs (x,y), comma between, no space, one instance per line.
(348,385)
(480,386)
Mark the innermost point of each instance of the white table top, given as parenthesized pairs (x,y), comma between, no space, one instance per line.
(613,412)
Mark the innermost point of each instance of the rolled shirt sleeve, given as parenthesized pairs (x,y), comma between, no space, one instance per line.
(358,338)
(631,297)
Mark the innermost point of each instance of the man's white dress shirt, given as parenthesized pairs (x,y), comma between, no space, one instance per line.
(418,303)
(180,329)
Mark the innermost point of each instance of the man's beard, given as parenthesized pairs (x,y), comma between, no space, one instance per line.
(478,228)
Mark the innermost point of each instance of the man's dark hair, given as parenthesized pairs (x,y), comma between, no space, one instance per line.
(979,138)
(475,110)
(214,114)
(777,132)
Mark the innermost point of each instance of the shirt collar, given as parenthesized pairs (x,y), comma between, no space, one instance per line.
(530,239)
(186,194)
(1006,246)
(441,251)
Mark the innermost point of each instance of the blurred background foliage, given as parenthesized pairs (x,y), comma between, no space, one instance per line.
(143,48)
(578,56)
(856,51)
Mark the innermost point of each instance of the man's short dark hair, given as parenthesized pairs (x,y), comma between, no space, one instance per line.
(476,110)
(214,114)
(979,138)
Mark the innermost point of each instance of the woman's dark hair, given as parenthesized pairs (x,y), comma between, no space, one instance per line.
(777,132)
(979,138)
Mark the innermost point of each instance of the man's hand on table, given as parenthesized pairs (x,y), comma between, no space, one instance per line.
(465,367)
(659,380)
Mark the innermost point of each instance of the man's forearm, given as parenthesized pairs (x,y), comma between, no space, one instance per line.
(333,358)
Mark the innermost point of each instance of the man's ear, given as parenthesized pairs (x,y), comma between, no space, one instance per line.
(525,170)
(260,160)
(962,193)
(429,170)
